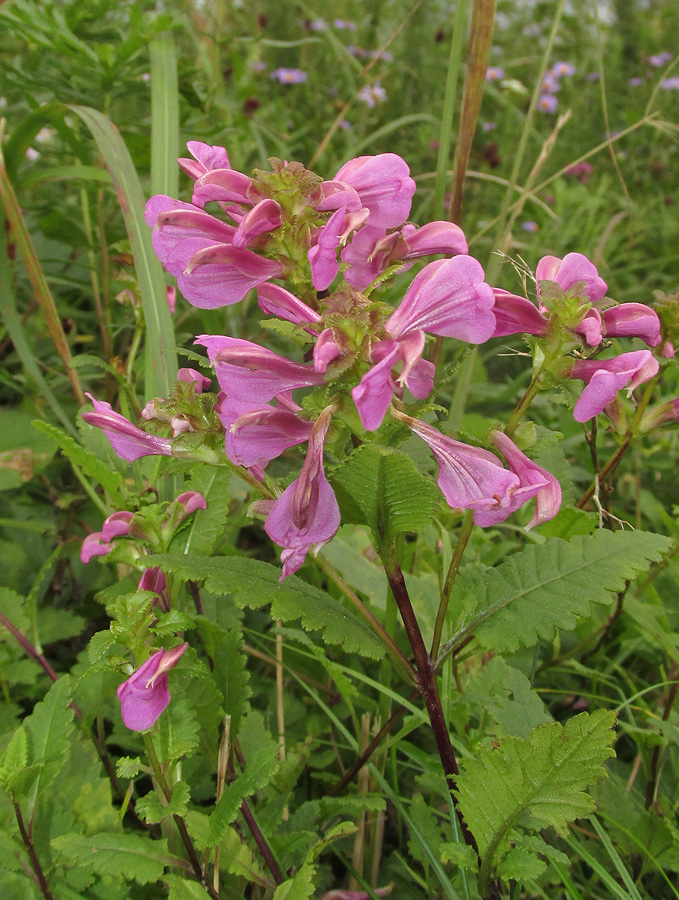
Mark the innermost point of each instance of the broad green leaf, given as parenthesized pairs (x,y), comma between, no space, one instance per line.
(151,809)
(254,584)
(178,730)
(160,356)
(231,675)
(130,856)
(164,116)
(535,783)
(111,481)
(207,525)
(183,889)
(257,774)
(384,490)
(547,587)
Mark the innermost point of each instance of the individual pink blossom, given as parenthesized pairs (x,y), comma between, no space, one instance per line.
(205,158)
(574,270)
(384,186)
(193,376)
(323,255)
(516,315)
(326,350)
(469,477)
(668,351)
(534,481)
(264,216)
(224,186)
(275,300)
(100,543)
(662,414)
(604,378)
(373,394)
(256,434)
(450,298)
(171,297)
(633,320)
(128,441)
(221,275)
(154,580)
(253,373)
(145,694)
(307,512)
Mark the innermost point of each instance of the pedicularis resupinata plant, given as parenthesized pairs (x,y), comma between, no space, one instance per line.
(325,435)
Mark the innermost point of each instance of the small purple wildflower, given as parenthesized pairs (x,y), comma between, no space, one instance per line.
(561,69)
(670,84)
(343,25)
(547,103)
(494,73)
(289,76)
(635,82)
(258,66)
(318,25)
(372,94)
(551,84)
(592,76)
(659,59)
(489,126)
(530,226)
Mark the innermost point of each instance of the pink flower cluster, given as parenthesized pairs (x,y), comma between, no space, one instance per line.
(289,229)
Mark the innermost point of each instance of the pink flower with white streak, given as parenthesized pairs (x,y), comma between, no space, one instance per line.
(307,513)
(604,378)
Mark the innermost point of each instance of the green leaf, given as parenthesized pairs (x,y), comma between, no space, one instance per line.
(14,758)
(521,865)
(257,774)
(111,481)
(254,584)
(128,767)
(534,783)
(48,729)
(151,809)
(130,856)
(164,116)
(207,525)
(160,356)
(231,675)
(547,587)
(384,490)
(178,730)
(182,889)
(299,887)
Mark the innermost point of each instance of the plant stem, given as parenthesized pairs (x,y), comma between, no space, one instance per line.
(32,855)
(403,664)
(29,648)
(609,469)
(426,680)
(166,789)
(460,547)
(654,778)
(262,844)
(523,403)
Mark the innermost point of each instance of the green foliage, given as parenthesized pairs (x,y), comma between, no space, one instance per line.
(152,810)
(535,783)
(130,856)
(383,489)
(299,887)
(254,584)
(259,770)
(548,587)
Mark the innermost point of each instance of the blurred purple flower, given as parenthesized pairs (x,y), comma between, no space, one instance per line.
(258,66)
(372,94)
(289,76)
(494,73)
(635,82)
(547,103)
(489,126)
(561,69)
(344,25)
(530,226)
(659,59)
(670,84)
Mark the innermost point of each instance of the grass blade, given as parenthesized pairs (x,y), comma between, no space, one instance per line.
(161,360)
(164,117)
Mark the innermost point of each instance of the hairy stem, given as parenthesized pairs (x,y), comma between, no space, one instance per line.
(32,855)
(460,547)
(426,680)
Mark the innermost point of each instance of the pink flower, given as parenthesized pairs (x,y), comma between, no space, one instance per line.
(604,378)
(469,477)
(255,436)
(193,376)
(145,694)
(307,512)
(128,441)
(534,481)
(100,543)
(154,580)
(574,271)
(323,255)
(206,158)
(252,373)
(275,300)
(450,298)
(516,315)
(633,320)
(384,186)
(221,274)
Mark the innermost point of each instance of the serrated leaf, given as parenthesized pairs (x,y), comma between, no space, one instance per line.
(384,490)
(183,889)
(207,525)
(128,767)
(461,855)
(548,587)
(15,757)
(178,730)
(254,584)
(99,646)
(520,865)
(48,730)
(111,481)
(173,621)
(231,675)
(341,830)
(153,810)
(130,856)
(543,778)
(259,771)
(300,887)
